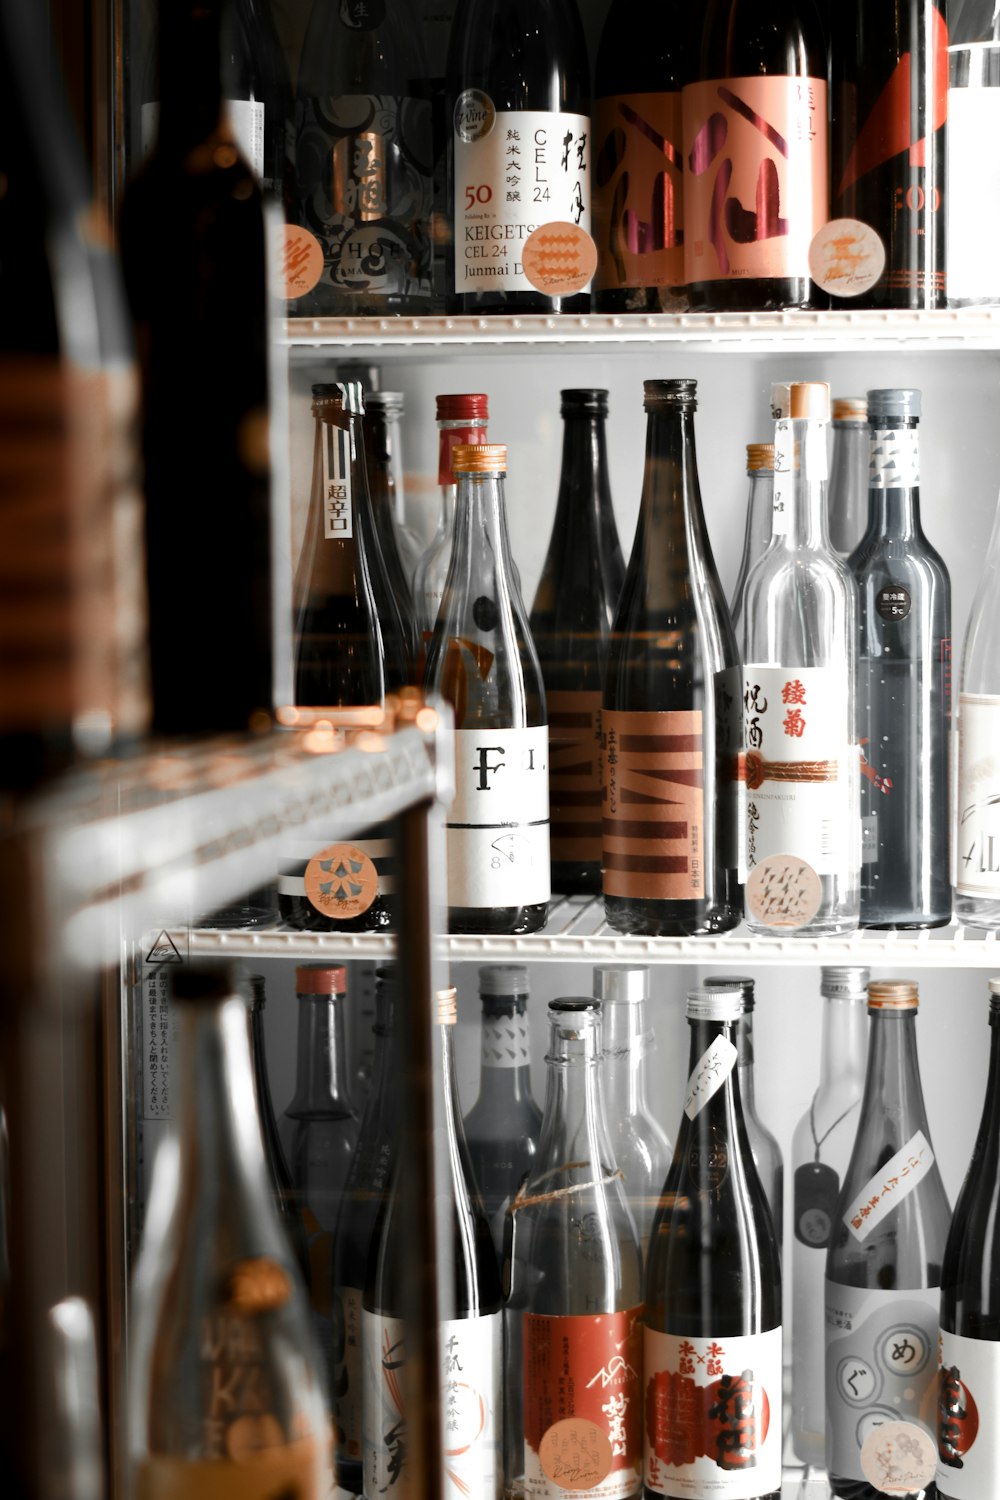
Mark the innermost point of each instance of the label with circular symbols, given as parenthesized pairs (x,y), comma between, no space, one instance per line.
(559,259)
(846,258)
(898,1458)
(783,891)
(341,881)
(893,602)
(475,115)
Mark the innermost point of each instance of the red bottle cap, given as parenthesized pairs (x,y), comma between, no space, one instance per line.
(463,408)
(321,979)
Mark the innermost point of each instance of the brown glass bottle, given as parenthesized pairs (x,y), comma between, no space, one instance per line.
(383,410)
(570,622)
(671,718)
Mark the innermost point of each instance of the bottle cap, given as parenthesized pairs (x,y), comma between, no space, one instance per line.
(463,408)
(447,1006)
(994,988)
(809,400)
(893,994)
(740,982)
(850,409)
(321,979)
(258,995)
(388,401)
(479,458)
(348,395)
(895,402)
(576,1020)
(621,984)
(759,456)
(204,980)
(591,400)
(723,1004)
(503,979)
(842,982)
(677,392)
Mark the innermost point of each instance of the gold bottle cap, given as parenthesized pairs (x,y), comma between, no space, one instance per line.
(850,409)
(893,994)
(320,979)
(809,399)
(479,458)
(447,1006)
(759,456)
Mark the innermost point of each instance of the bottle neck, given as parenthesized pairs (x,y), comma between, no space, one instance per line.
(451,435)
(626,1043)
(573,1127)
(892,1083)
(670,479)
(743,1040)
(894,481)
(723,1108)
(190,52)
(844,1041)
(505,1058)
(320,1083)
(218,1126)
(583,507)
(482,540)
(801,471)
(989,1125)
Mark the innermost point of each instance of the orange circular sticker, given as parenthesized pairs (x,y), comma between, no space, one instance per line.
(302,261)
(341,881)
(559,259)
(846,258)
(575,1454)
(784,891)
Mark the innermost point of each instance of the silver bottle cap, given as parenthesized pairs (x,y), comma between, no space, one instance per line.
(896,402)
(843,983)
(740,982)
(725,1004)
(621,984)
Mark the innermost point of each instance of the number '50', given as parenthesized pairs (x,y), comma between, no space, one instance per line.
(481,194)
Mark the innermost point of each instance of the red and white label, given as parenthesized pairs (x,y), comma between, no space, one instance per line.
(583,1406)
(890,1185)
(968,1461)
(713,1415)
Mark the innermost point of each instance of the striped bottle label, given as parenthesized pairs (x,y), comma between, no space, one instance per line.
(654,806)
(575,776)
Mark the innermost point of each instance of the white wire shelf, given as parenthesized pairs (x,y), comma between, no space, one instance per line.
(576,932)
(841,330)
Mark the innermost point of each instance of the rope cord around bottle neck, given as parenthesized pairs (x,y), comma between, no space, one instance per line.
(523,1201)
(818,1140)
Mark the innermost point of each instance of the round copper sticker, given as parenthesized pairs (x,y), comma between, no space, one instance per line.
(784,891)
(559,259)
(301,263)
(575,1454)
(341,881)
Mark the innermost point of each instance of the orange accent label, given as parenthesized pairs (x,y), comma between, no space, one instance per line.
(583,1405)
(559,259)
(755,192)
(654,805)
(302,261)
(575,776)
(341,881)
(638,199)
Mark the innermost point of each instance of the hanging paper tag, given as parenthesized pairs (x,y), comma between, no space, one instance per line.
(713,1069)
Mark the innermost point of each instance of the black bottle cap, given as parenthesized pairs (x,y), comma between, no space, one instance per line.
(897,403)
(676,392)
(593,400)
(205,980)
(349,394)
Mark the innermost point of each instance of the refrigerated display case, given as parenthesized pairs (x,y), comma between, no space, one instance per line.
(141,911)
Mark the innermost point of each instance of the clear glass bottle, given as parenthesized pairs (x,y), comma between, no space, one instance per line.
(461,420)
(847,497)
(278,1174)
(573,1313)
(570,622)
(713,1289)
(671,702)
(760,504)
(639,1143)
(903,683)
(470,1338)
(502,1127)
(976,833)
(764,1146)
(972,221)
(802,827)
(883,1274)
(969,1399)
(367,1182)
(318,1131)
(364,156)
(483,662)
(821,1152)
(225,1390)
(383,460)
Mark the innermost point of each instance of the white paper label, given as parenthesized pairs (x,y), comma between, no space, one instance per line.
(505,1042)
(784,478)
(346,1395)
(714,1067)
(977,832)
(968,1465)
(498,824)
(890,1185)
(801,767)
(881,1368)
(338,501)
(894,458)
(514,170)
(973,196)
(383,1435)
(246,121)
(713,1415)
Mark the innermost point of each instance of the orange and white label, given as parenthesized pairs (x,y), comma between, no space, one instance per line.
(846,258)
(654,805)
(575,776)
(341,881)
(583,1406)
(755,191)
(302,262)
(559,259)
(638,191)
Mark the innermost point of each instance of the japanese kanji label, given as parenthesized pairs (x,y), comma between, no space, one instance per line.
(968,1409)
(159,1043)
(514,171)
(714,1067)
(383,1438)
(894,458)
(654,805)
(787,460)
(338,502)
(881,1368)
(977,839)
(713,1415)
(575,776)
(583,1406)
(345,1388)
(638,190)
(755,188)
(890,1185)
(498,824)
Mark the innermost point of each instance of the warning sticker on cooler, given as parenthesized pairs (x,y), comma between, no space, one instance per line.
(714,1067)
(887,1189)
